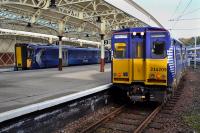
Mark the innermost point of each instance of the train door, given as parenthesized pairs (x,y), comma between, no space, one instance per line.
(30,53)
(65,57)
(21,56)
(121,63)
(138,59)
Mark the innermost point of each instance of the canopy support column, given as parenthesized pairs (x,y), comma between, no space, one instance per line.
(102,61)
(102,34)
(60,54)
(61,31)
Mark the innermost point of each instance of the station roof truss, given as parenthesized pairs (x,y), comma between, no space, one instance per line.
(79,17)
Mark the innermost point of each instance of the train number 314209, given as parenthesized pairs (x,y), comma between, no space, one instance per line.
(158,69)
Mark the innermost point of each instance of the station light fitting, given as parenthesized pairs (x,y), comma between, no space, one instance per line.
(52,4)
(87,35)
(29,25)
(98,19)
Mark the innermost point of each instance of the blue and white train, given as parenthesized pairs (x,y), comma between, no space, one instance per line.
(147,63)
(37,56)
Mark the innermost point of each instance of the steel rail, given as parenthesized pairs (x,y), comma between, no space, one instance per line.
(146,122)
(107,117)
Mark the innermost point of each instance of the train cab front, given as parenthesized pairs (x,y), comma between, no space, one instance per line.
(139,62)
(23,59)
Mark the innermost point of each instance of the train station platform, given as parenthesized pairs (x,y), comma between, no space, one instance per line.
(22,88)
(6,69)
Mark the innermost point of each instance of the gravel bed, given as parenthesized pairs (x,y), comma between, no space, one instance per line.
(192,115)
(87,120)
(179,120)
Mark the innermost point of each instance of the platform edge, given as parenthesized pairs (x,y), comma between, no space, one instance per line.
(49,103)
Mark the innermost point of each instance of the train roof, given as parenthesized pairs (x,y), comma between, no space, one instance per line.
(141,29)
(53,46)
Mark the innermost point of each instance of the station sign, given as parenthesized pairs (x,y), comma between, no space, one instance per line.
(106,42)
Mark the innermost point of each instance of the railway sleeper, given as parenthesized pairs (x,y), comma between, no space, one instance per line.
(155,125)
(126,121)
(120,127)
(132,116)
(169,105)
(166,112)
(169,109)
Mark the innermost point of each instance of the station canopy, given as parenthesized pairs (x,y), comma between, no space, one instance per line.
(80,18)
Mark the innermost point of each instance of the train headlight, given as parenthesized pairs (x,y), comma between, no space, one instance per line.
(142,33)
(134,33)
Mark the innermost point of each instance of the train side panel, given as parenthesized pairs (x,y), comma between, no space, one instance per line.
(36,56)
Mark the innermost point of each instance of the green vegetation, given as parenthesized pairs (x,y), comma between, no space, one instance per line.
(193,120)
(190,41)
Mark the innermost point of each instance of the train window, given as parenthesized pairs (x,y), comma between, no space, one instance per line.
(120,50)
(158,49)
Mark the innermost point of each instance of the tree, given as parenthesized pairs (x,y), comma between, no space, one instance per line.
(190,41)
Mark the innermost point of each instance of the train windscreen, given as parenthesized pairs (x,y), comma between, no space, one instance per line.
(158,46)
(120,50)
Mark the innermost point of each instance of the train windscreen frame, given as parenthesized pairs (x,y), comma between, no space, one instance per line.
(158,46)
(120,51)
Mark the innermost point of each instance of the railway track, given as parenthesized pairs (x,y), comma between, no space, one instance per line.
(157,125)
(127,118)
(134,118)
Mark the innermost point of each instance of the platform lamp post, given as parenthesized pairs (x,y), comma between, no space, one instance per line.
(61,31)
(102,34)
(102,61)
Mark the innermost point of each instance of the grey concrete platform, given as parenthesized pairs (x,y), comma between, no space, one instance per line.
(22,88)
(6,69)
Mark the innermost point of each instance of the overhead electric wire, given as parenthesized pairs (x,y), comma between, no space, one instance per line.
(183,13)
(191,11)
(179,17)
(185,8)
(175,19)
(184,19)
(179,3)
(186,29)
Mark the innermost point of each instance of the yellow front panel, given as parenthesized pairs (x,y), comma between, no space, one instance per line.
(19,56)
(156,72)
(122,73)
(139,70)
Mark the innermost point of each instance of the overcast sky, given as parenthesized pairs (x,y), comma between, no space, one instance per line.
(164,10)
